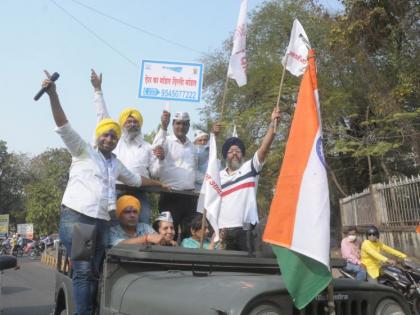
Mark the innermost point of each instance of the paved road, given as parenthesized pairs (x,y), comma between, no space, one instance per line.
(28,291)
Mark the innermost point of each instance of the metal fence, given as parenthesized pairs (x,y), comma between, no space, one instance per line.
(394,207)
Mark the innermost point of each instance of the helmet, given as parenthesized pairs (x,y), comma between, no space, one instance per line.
(372,230)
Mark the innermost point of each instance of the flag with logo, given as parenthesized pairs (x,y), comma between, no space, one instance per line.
(298,226)
(211,191)
(296,57)
(238,62)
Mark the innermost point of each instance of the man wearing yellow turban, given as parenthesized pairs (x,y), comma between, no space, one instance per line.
(90,196)
(130,231)
(135,153)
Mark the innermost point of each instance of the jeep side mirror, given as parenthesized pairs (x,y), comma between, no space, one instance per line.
(7,262)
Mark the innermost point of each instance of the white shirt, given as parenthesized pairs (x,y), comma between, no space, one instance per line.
(136,154)
(179,167)
(239,191)
(91,186)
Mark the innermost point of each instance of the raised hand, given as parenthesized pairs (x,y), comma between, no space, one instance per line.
(96,80)
(216,128)
(49,85)
(275,115)
(164,119)
(159,152)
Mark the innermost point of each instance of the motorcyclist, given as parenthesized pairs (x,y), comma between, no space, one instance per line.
(350,251)
(14,243)
(371,256)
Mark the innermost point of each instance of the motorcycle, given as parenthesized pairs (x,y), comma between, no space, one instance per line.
(5,248)
(405,278)
(17,251)
(36,249)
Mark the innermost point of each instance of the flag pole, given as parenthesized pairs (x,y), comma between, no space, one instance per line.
(203,220)
(280,89)
(224,97)
(203,227)
(331,305)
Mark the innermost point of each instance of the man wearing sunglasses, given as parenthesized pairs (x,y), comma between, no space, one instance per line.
(371,255)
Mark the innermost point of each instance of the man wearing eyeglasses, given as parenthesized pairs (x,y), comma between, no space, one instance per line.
(371,255)
(130,231)
(239,181)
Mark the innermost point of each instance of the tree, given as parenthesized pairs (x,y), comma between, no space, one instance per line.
(367,60)
(372,95)
(49,176)
(12,180)
(250,107)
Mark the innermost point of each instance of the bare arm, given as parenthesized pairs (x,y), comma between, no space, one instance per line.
(145,239)
(57,111)
(152,182)
(269,137)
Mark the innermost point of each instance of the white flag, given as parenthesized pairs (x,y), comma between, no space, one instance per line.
(296,57)
(211,191)
(234,132)
(238,63)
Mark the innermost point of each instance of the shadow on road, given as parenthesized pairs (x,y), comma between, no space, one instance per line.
(33,310)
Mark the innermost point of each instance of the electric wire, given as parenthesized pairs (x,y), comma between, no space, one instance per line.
(118,52)
(137,28)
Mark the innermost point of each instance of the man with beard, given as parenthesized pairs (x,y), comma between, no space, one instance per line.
(239,180)
(90,196)
(135,153)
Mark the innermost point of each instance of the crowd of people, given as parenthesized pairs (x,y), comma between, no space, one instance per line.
(120,155)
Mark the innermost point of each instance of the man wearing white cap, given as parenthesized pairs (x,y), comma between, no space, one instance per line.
(178,167)
(200,141)
(164,225)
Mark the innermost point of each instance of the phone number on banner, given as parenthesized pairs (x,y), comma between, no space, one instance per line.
(178,94)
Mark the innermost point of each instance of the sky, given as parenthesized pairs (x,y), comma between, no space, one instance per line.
(71,37)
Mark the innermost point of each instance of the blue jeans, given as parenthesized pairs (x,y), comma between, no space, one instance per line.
(358,270)
(85,274)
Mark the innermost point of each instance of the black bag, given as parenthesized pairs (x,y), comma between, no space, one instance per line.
(83,242)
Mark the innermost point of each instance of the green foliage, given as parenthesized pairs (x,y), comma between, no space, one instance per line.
(367,61)
(49,176)
(373,51)
(12,180)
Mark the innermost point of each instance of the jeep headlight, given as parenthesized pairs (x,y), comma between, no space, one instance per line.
(389,307)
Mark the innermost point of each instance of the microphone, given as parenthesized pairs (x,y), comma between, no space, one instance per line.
(38,95)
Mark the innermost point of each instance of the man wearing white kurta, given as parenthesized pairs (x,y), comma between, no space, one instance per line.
(178,167)
(135,153)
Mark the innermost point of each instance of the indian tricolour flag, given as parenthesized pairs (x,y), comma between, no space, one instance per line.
(298,226)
